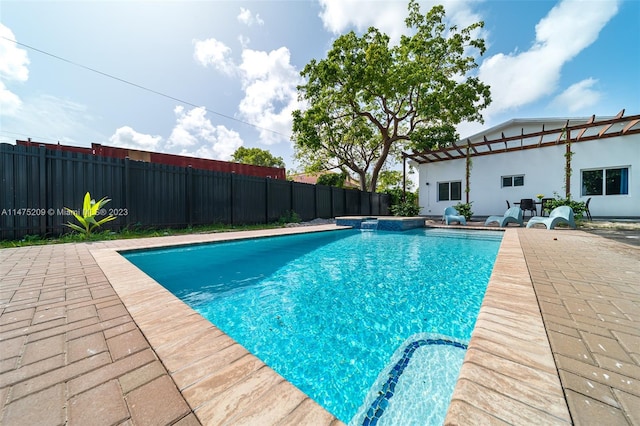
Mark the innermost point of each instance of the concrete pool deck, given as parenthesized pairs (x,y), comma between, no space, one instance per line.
(85,338)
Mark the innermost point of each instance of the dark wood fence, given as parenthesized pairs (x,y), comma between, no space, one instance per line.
(37,184)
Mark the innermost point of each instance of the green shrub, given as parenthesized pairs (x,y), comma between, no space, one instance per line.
(289,217)
(578,207)
(398,207)
(407,208)
(464,209)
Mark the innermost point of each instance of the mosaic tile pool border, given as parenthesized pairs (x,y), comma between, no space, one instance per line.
(379,405)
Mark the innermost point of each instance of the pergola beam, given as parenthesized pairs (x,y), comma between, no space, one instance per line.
(591,120)
(629,125)
(448,153)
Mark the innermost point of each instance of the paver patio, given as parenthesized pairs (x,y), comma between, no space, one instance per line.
(80,346)
(588,289)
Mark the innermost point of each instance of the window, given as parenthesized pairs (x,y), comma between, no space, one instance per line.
(450,191)
(517,180)
(613,181)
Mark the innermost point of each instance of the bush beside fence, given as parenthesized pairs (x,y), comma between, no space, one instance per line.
(37,184)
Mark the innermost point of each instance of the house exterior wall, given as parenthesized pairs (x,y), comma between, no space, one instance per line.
(609,153)
(543,170)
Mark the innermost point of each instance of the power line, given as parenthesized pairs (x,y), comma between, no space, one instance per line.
(122,80)
(40,138)
(12,137)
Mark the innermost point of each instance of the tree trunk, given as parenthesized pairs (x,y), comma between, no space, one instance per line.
(363,180)
(386,147)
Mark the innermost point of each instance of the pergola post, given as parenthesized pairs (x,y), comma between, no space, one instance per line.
(567,174)
(404,177)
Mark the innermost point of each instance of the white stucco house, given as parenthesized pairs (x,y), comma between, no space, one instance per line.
(522,158)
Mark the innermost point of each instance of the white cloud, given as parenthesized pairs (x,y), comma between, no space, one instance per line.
(246,17)
(13,68)
(195,135)
(579,96)
(14,60)
(126,137)
(9,102)
(517,79)
(211,52)
(338,16)
(269,82)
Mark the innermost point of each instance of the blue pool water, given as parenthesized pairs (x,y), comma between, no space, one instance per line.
(329,310)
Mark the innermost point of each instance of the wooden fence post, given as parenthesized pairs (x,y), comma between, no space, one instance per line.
(188,196)
(266,199)
(315,201)
(231,203)
(42,166)
(126,188)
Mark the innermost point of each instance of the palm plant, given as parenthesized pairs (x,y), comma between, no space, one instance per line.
(90,209)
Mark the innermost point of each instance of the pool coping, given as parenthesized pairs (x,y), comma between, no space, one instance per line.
(220,380)
(508,375)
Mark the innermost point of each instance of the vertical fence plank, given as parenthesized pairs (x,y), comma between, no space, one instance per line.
(338,204)
(126,190)
(324,201)
(303,201)
(42,180)
(7,195)
(352,202)
(280,202)
(365,203)
(249,199)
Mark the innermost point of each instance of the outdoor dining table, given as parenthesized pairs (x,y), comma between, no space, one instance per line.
(535,203)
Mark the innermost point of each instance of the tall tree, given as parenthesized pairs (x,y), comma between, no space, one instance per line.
(369,99)
(257,157)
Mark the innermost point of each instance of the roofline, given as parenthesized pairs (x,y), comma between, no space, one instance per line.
(514,121)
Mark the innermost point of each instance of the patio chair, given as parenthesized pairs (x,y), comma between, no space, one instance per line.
(451,215)
(586,209)
(512,215)
(562,214)
(508,205)
(528,205)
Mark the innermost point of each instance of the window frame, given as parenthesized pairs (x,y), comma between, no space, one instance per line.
(511,180)
(604,181)
(450,193)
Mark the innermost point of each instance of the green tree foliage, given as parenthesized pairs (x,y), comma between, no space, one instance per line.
(257,157)
(332,179)
(392,179)
(369,99)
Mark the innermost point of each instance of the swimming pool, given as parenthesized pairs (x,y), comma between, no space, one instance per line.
(329,310)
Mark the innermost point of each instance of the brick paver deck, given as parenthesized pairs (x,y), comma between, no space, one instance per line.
(588,289)
(79,345)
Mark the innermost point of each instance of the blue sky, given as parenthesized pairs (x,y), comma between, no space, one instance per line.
(237,64)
